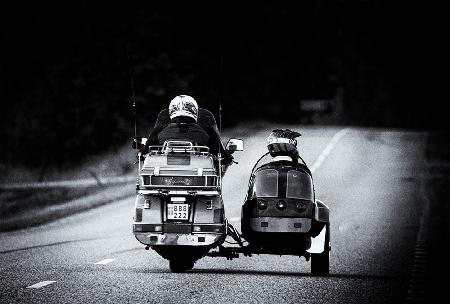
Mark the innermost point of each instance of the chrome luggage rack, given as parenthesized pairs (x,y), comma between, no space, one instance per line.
(183,175)
(179,147)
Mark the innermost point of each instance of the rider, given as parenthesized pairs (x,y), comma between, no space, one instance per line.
(282,145)
(183,120)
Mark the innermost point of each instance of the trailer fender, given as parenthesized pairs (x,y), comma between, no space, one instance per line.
(322,212)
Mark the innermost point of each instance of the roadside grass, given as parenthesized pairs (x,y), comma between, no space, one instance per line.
(28,207)
(113,162)
(55,204)
(16,202)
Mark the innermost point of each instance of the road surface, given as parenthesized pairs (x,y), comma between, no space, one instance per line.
(372,180)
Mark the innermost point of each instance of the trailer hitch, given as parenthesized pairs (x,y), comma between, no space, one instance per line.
(231,231)
(228,253)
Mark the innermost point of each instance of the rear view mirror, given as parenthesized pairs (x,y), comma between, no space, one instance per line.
(235,144)
(139,142)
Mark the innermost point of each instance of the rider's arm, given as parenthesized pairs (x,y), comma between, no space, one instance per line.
(207,121)
(215,144)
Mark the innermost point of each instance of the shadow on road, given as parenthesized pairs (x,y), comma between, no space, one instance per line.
(60,243)
(296,274)
(250,272)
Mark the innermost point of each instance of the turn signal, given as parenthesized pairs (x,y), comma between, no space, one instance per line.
(262,204)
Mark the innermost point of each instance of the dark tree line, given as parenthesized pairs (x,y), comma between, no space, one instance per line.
(66,68)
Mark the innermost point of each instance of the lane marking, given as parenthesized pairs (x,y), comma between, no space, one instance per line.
(41,284)
(334,140)
(104,262)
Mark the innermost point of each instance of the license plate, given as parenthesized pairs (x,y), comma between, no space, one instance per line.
(178,212)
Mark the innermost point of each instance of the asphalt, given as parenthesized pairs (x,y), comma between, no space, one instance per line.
(372,180)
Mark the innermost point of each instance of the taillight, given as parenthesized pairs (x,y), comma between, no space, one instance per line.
(262,204)
(138,215)
(281,205)
(143,202)
(139,201)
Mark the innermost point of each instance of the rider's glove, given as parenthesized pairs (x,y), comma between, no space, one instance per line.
(229,160)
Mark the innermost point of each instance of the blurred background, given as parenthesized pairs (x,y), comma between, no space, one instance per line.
(66,69)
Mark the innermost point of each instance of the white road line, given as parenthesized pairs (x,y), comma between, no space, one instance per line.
(41,284)
(104,262)
(328,149)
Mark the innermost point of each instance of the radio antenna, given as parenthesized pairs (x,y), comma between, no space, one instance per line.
(133,106)
(219,155)
(131,71)
(220,93)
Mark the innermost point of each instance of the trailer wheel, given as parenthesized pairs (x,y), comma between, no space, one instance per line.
(320,262)
(179,265)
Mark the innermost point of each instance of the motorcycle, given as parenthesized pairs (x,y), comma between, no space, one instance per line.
(179,211)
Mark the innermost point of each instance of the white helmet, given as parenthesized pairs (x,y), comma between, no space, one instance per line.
(183,105)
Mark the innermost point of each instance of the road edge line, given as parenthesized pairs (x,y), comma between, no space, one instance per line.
(330,146)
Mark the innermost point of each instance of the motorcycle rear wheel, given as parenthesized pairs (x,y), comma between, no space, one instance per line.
(180,265)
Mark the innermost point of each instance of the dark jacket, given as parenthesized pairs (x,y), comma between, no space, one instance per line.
(205,120)
(184,129)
